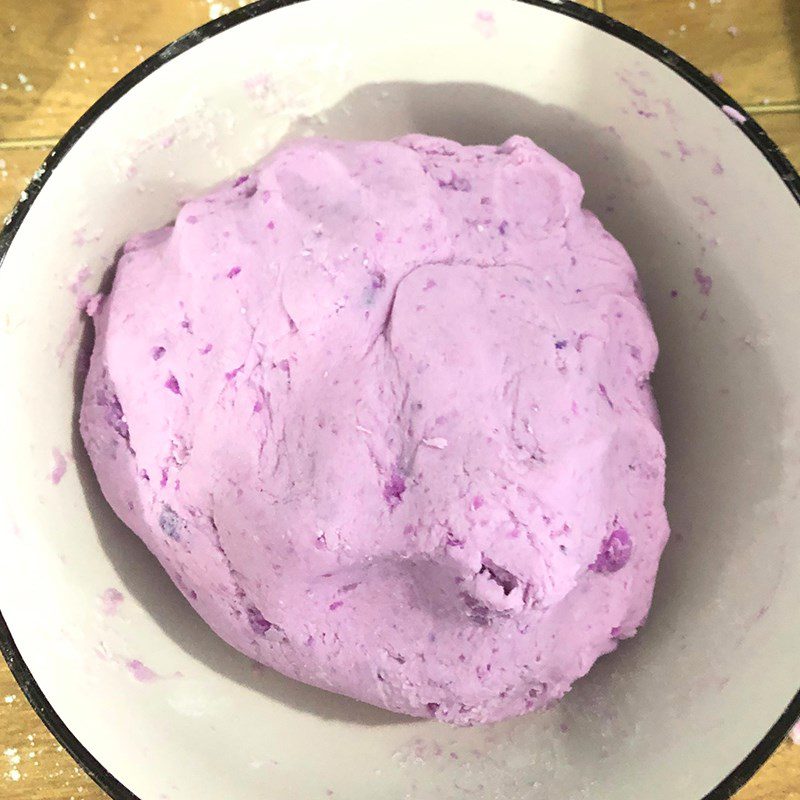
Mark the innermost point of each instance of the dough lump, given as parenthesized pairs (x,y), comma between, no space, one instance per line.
(382,412)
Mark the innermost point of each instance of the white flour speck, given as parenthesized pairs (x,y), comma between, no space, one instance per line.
(216,10)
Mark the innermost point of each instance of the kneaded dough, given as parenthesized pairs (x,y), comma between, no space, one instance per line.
(382,411)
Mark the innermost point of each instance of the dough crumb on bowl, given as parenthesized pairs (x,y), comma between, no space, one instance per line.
(382,411)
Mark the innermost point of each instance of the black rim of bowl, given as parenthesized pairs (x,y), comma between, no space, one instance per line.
(111,785)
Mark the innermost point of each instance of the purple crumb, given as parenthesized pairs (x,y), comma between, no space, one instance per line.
(93,304)
(673,294)
(486,24)
(140,672)
(158,352)
(704,282)
(336,604)
(561,344)
(604,394)
(173,385)
(59,466)
(614,553)
(794,734)
(734,114)
(111,599)
(234,271)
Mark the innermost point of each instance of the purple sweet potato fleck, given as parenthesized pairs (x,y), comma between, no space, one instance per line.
(171,524)
(172,384)
(393,489)
(615,552)
(456,183)
(115,417)
(257,621)
(158,352)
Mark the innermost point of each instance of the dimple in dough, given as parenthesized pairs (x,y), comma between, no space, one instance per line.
(382,411)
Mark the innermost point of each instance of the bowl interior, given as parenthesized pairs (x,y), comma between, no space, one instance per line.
(169,709)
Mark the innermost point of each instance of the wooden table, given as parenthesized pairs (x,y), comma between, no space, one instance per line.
(58,56)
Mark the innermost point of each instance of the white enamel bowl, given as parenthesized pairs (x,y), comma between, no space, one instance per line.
(688,709)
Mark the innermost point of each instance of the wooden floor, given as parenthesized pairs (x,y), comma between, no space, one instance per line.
(58,56)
